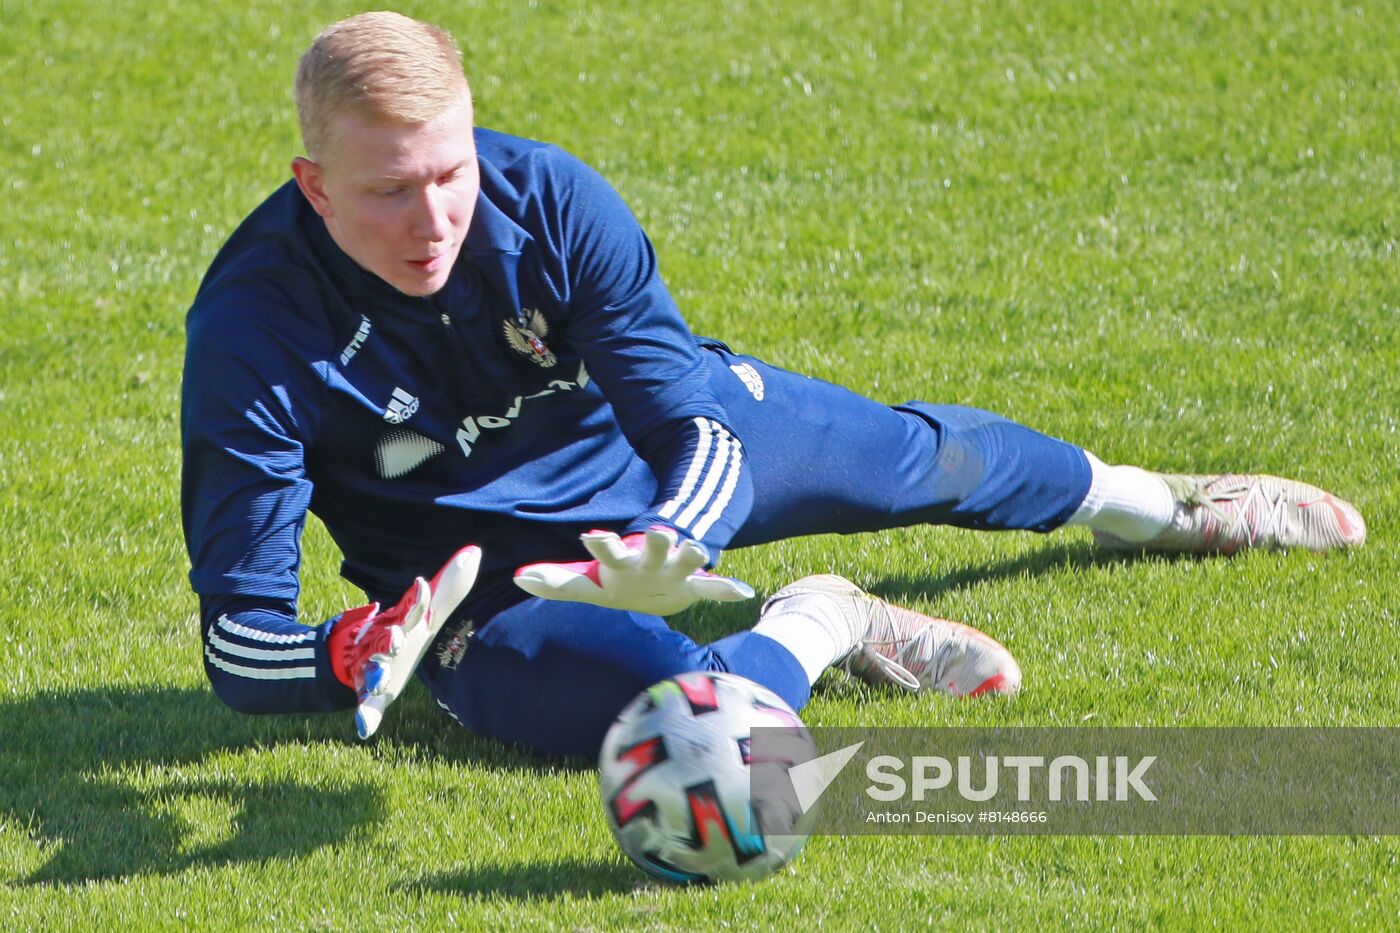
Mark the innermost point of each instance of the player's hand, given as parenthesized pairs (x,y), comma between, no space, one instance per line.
(645,572)
(375,653)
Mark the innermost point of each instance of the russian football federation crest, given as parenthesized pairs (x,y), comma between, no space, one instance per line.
(526,336)
(450,653)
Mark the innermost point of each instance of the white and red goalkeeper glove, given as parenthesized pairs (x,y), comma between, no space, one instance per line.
(375,653)
(644,572)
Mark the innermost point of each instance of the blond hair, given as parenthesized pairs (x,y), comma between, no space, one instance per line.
(381,66)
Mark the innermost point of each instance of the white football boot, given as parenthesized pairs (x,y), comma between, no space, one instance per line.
(1231,512)
(894,645)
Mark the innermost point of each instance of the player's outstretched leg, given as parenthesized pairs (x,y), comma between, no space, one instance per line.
(1132,509)
(827,460)
(884,643)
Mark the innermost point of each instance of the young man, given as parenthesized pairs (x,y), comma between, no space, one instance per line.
(441,335)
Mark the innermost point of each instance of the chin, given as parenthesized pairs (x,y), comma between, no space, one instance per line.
(421,287)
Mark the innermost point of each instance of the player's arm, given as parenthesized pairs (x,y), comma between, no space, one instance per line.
(622,320)
(249,407)
(244,497)
(369,651)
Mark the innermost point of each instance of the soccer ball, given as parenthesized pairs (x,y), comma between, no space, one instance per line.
(675,775)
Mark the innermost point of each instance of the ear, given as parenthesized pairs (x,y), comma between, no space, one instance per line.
(311,180)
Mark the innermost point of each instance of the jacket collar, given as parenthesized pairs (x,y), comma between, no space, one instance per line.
(491,231)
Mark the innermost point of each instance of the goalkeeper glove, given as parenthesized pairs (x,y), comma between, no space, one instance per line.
(375,653)
(645,572)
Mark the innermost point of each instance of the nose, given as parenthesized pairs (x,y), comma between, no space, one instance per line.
(430,221)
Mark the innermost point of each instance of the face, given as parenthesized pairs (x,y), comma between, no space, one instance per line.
(397,199)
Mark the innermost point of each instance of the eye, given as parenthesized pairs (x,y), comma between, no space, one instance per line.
(460,173)
(390,192)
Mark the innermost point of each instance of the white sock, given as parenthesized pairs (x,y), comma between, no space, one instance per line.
(1125,501)
(810,629)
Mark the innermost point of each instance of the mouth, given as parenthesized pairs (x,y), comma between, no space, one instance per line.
(431,264)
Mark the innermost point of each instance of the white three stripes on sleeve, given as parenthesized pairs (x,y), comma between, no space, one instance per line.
(726,493)
(709,481)
(692,473)
(286,649)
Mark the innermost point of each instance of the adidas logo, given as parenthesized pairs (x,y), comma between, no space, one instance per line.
(750,378)
(401,407)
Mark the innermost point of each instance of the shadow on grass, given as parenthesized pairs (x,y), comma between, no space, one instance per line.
(707,622)
(101,779)
(534,881)
(1069,557)
(98,779)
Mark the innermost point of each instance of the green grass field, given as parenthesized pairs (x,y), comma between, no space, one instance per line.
(1164,230)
